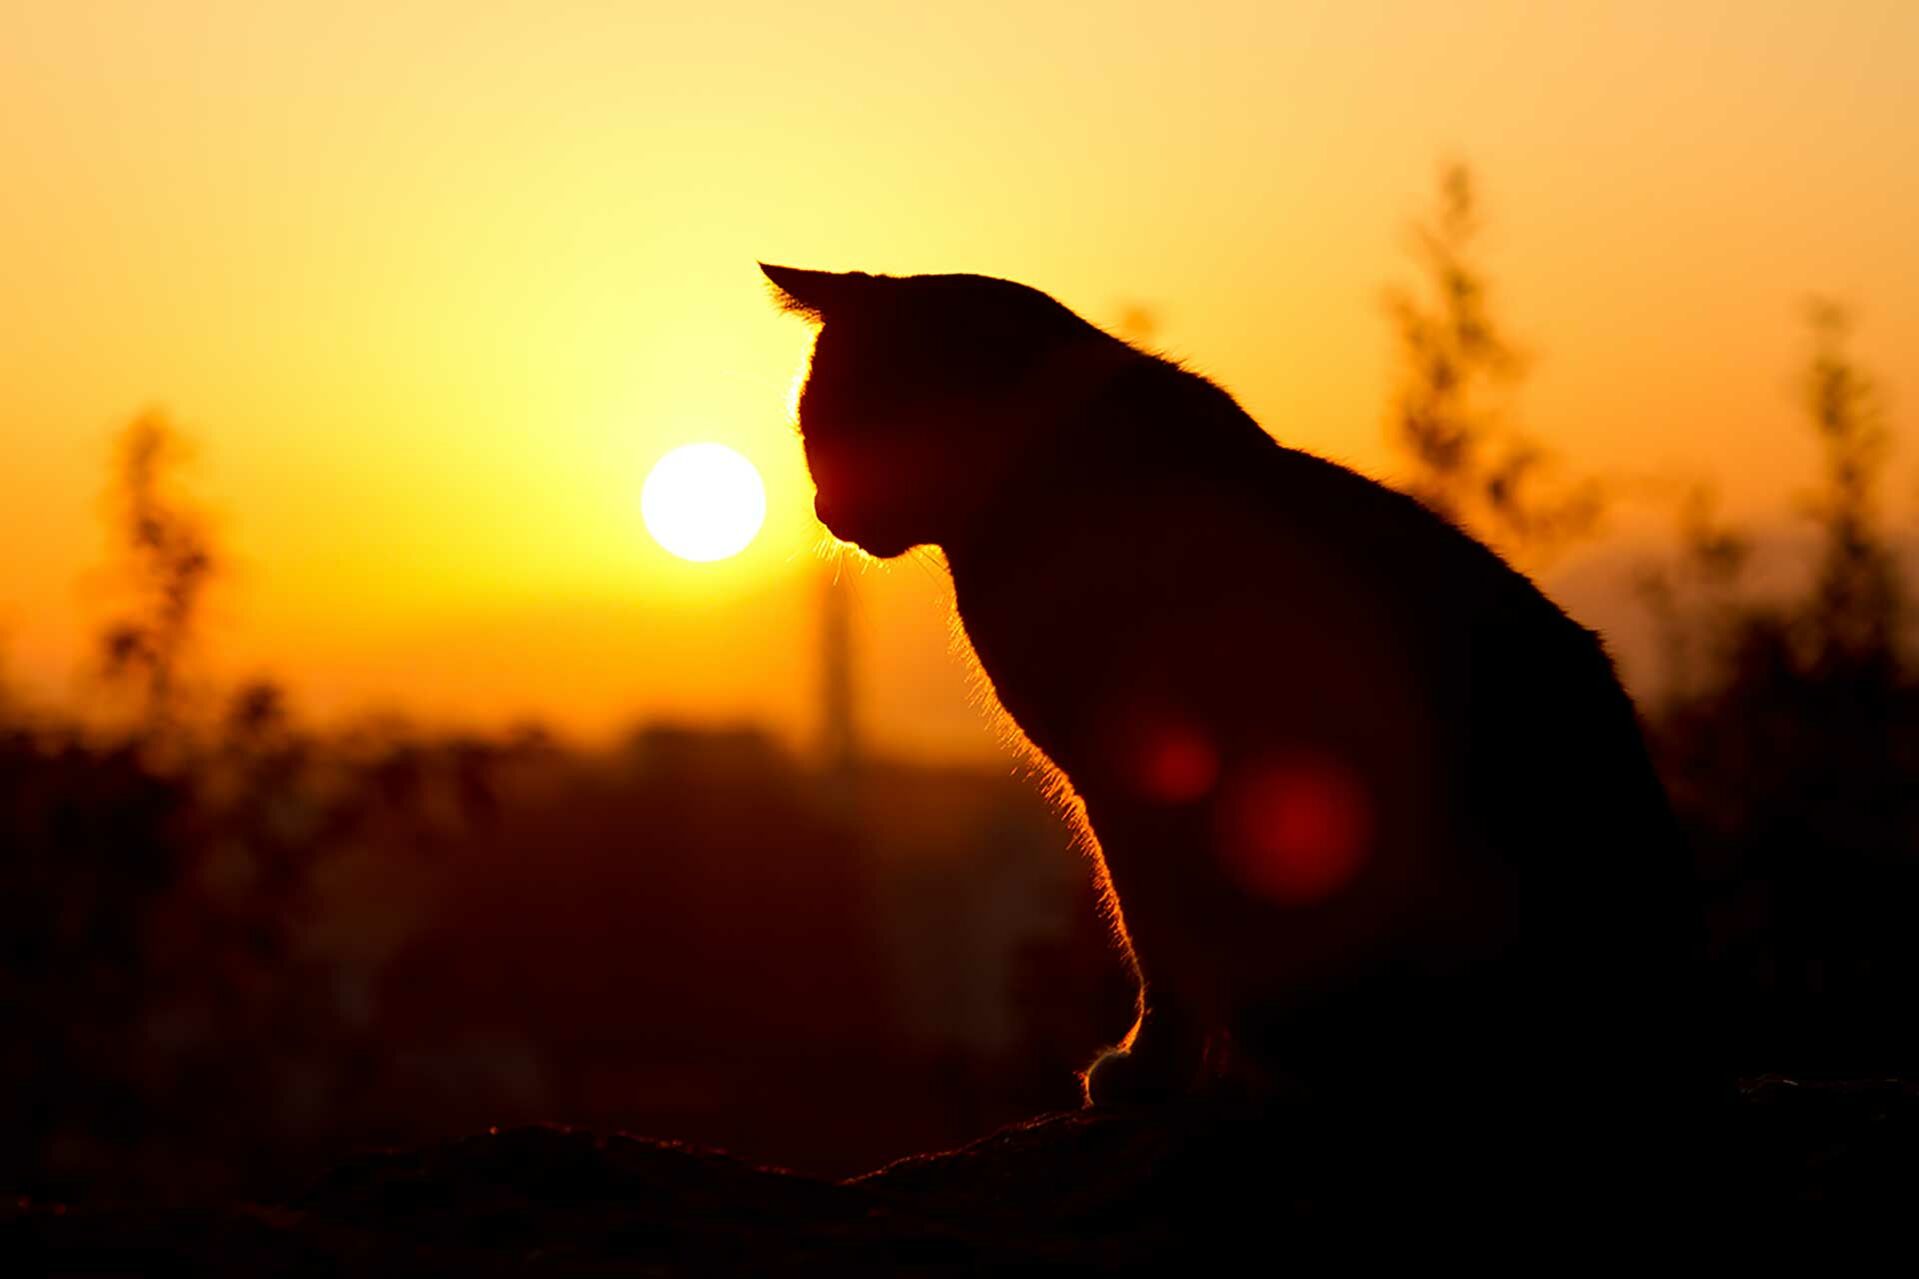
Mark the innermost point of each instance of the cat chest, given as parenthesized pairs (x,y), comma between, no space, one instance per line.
(1047,646)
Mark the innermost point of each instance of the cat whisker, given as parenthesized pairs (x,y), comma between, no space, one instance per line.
(930,565)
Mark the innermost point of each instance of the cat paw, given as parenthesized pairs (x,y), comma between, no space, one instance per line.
(1119,1078)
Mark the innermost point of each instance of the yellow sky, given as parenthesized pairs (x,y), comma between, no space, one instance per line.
(432,285)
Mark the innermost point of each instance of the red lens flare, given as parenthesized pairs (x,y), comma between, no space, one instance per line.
(1296,831)
(1178,765)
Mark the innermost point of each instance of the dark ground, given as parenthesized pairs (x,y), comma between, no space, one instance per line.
(1093,1190)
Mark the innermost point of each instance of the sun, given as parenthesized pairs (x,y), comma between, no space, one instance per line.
(703,502)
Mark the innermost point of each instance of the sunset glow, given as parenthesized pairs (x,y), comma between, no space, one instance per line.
(467,272)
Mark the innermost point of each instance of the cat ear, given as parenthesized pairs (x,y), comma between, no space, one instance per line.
(817,293)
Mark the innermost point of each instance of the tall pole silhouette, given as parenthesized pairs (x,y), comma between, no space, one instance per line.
(839,731)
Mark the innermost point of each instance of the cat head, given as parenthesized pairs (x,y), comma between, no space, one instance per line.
(924,395)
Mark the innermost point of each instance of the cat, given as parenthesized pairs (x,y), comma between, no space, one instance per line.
(1373,818)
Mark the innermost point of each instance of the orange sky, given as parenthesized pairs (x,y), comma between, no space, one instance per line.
(432,285)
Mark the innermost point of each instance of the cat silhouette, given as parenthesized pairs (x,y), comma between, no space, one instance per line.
(1372,817)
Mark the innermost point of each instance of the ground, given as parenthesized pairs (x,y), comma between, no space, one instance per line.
(1099,1191)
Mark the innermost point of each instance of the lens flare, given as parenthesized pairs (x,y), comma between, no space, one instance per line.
(1179,764)
(1297,830)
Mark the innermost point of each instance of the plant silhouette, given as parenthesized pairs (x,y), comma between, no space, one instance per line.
(1789,733)
(1468,463)
(171,561)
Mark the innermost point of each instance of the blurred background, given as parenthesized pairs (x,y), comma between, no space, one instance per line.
(369,772)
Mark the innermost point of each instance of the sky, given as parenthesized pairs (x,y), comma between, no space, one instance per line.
(431,286)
